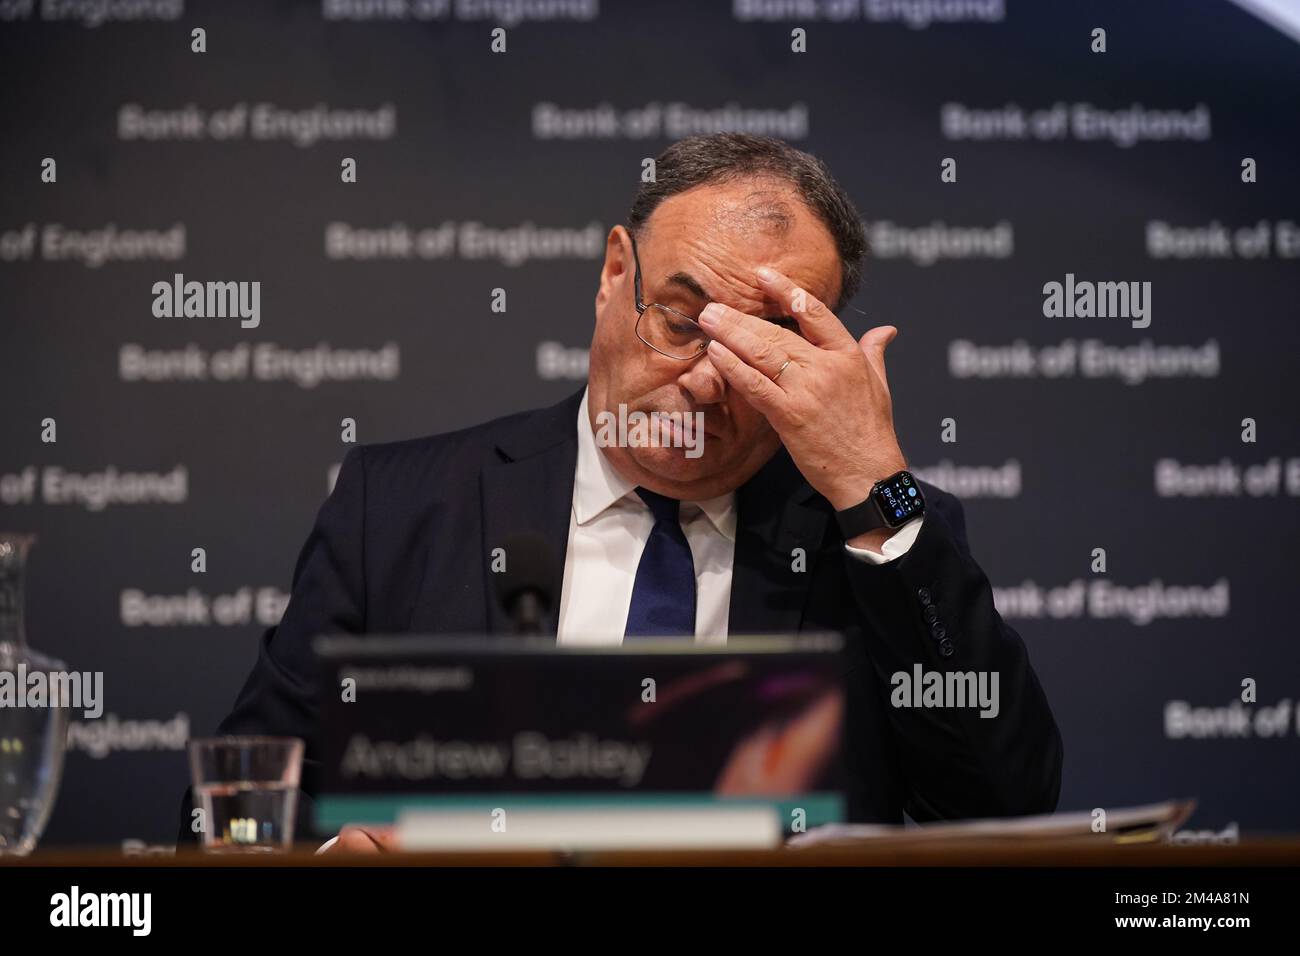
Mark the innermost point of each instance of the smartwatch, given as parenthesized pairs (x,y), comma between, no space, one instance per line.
(892,503)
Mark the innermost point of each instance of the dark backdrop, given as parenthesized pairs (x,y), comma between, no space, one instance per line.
(446,131)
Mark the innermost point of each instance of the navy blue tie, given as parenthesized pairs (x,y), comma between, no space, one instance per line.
(663,595)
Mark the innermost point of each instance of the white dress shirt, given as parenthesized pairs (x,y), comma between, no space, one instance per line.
(608,528)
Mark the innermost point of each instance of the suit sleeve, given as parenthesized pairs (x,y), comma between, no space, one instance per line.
(328,597)
(957,764)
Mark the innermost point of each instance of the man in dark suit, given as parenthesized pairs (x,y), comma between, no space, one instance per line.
(712,316)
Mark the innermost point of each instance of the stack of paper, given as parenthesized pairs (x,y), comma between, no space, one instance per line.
(1152,823)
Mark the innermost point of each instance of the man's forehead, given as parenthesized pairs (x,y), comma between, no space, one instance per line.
(719,271)
(707,241)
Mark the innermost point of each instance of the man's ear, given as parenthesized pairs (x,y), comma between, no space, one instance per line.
(618,266)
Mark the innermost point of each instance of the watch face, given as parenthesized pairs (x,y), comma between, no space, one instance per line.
(899,499)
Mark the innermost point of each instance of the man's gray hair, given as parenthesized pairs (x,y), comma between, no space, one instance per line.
(727,157)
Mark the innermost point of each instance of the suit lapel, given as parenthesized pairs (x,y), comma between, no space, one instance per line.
(525,486)
(529,492)
(777,512)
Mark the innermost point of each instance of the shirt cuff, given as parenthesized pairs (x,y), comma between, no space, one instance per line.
(327,844)
(895,546)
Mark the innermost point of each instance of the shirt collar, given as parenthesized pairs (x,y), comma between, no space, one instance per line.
(598,486)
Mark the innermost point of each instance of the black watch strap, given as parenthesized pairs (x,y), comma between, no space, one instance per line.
(892,503)
(861,518)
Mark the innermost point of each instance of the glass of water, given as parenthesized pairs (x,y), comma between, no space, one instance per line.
(247,790)
(33,726)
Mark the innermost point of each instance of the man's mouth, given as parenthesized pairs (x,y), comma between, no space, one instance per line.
(672,423)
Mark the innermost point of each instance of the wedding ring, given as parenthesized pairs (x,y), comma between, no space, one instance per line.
(780,370)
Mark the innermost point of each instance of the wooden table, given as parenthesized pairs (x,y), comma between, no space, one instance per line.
(1280,851)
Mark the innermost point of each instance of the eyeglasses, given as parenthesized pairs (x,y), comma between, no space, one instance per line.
(673,333)
(667,331)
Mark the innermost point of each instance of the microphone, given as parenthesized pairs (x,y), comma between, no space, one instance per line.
(529,585)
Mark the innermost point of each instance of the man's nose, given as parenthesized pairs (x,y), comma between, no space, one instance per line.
(704,382)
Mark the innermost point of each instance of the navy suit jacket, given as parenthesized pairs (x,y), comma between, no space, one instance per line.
(403,544)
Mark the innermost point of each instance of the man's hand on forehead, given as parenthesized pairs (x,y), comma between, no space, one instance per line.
(687,282)
(826,394)
(812,320)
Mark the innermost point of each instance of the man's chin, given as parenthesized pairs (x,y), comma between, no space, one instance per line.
(687,468)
